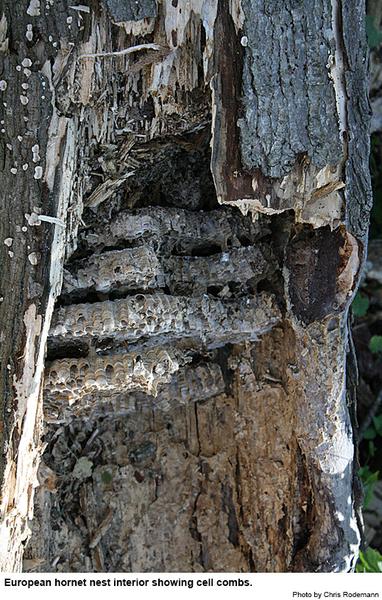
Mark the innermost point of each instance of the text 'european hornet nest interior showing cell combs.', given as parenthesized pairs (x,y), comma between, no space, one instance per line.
(164,280)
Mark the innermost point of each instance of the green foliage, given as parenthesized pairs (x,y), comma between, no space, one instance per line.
(375,344)
(377,422)
(370,434)
(376,178)
(374,35)
(369,479)
(360,305)
(369,562)
(371,449)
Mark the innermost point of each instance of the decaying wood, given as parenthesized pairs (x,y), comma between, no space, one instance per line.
(195,385)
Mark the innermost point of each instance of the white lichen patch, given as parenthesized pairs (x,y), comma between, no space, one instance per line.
(26,62)
(3,85)
(38,172)
(33,258)
(33,219)
(14,171)
(35,153)
(29,32)
(24,100)
(8,242)
(34,8)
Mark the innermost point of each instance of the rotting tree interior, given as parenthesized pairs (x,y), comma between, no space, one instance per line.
(150,341)
(168,420)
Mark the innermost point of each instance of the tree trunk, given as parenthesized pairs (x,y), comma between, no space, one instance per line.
(184,222)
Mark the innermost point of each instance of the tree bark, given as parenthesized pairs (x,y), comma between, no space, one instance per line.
(184,216)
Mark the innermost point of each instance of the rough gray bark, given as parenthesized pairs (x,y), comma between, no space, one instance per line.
(195,398)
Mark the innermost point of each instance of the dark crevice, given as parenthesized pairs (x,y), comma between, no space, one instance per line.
(304,511)
(229,508)
(313,258)
(222,356)
(75,349)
